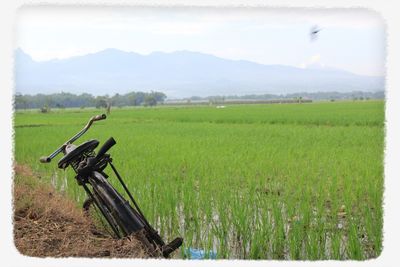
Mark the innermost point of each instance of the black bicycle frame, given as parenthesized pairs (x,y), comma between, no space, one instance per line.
(120,215)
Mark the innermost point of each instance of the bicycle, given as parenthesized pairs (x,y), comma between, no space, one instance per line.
(123,218)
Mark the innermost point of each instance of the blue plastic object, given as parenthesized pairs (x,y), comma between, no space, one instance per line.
(199,254)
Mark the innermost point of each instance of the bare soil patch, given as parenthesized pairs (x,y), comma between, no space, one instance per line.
(48,224)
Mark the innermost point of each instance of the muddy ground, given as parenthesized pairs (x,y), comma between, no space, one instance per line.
(48,224)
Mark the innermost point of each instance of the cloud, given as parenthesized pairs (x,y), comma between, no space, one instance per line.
(313,61)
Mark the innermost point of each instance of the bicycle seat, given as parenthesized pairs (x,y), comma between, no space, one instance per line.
(88,146)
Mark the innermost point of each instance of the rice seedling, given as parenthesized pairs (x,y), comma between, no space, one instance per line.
(284,181)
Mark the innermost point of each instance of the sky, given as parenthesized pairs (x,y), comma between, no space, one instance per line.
(349,39)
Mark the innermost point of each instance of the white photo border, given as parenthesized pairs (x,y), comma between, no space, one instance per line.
(387,9)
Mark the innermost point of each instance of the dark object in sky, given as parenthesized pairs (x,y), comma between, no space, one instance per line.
(314,32)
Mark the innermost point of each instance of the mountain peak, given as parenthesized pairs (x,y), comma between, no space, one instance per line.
(21,55)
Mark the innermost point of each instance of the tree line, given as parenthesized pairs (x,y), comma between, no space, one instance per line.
(69,100)
(354,95)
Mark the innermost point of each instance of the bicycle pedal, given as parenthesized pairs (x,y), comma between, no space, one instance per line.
(171,246)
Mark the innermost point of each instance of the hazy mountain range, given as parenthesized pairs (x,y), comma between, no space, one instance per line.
(178,74)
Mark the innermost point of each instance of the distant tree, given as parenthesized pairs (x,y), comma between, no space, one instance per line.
(45,109)
(49,101)
(196,98)
(300,99)
(61,106)
(159,97)
(20,101)
(101,102)
(139,98)
(150,100)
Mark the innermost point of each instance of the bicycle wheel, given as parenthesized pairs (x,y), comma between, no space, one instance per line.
(124,219)
(112,220)
(124,215)
(105,221)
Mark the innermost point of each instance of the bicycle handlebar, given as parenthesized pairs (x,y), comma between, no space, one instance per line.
(74,138)
(45,159)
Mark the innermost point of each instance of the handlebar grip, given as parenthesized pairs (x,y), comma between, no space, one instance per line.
(99,117)
(107,145)
(45,159)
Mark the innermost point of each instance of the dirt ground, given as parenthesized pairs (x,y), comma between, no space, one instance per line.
(48,224)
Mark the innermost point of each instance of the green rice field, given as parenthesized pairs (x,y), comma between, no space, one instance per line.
(277,181)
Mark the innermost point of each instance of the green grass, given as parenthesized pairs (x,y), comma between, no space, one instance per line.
(284,181)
